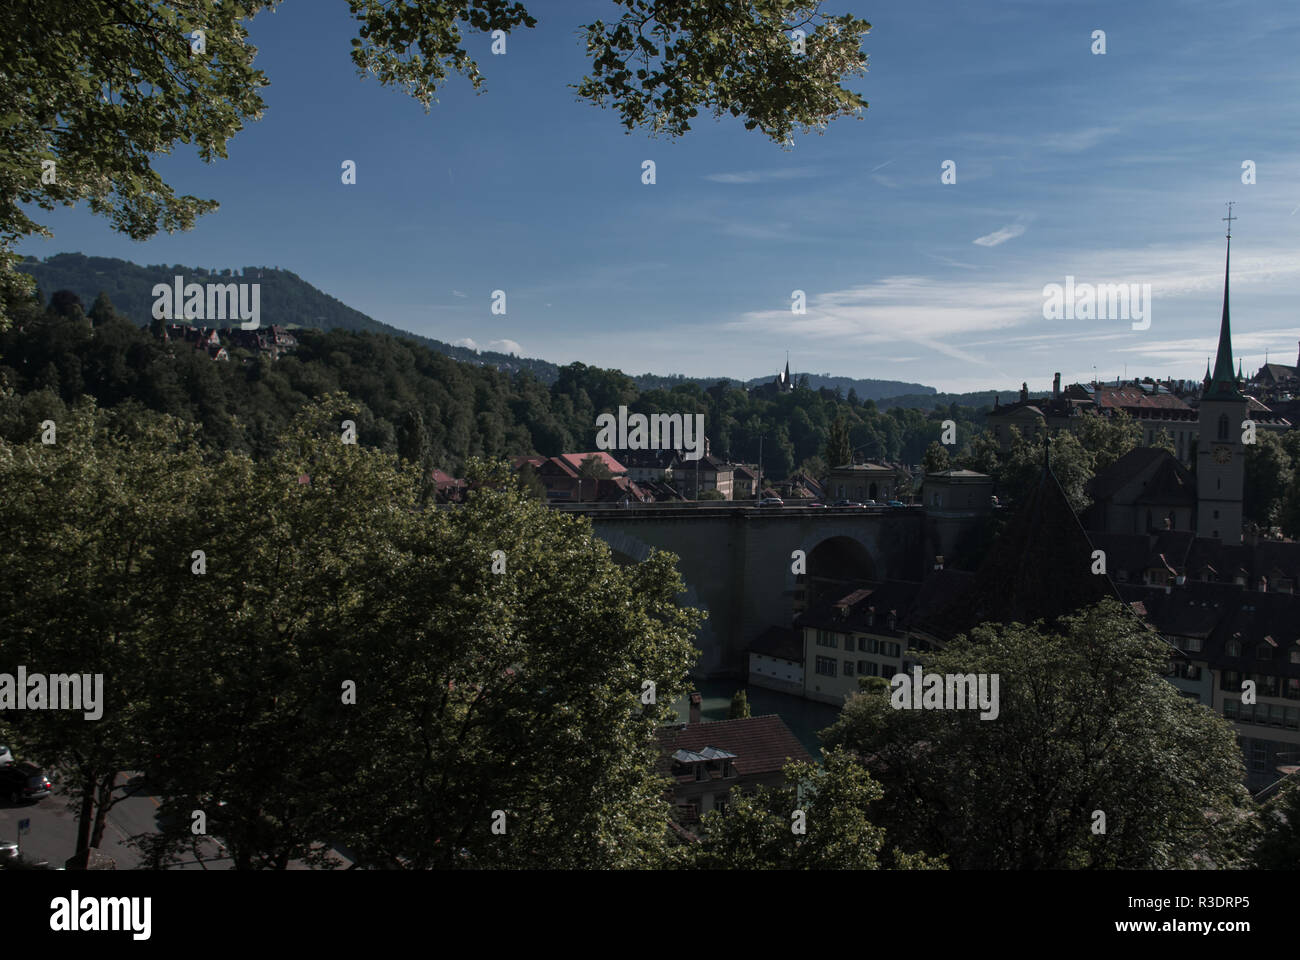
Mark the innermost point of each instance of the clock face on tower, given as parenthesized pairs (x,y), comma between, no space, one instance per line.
(1222,454)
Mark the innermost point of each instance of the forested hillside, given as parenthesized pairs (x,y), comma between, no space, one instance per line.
(415,401)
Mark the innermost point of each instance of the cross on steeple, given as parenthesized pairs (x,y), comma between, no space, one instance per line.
(1229,218)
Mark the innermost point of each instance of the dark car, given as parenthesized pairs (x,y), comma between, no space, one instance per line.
(23,781)
(897,503)
(848,503)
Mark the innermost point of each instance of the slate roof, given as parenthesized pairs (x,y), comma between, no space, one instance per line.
(1040,568)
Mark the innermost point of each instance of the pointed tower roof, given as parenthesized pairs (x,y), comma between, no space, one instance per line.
(1223,383)
(1039,568)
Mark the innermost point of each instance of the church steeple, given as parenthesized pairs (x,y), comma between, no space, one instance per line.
(1223,383)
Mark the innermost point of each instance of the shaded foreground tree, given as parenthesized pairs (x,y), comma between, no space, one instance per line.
(1087,723)
(338,666)
(829,804)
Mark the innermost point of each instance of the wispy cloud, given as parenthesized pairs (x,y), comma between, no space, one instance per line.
(880,166)
(1000,236)
(457,293)
(762,176)
(499,346)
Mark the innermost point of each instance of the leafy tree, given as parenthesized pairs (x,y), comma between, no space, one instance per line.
(104,86)
(1164,440)
(839,448)
(1276,845)
(94,534)
(530,484)
(936,458)
(1086,723)
(1107,438)
(1269,474)
(739,706)
(710,495)
(756,831)
(1071,463)
(981,454)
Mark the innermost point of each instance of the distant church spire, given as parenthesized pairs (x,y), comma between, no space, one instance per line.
(1223,383)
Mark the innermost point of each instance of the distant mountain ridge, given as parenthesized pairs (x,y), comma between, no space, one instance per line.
(289,300)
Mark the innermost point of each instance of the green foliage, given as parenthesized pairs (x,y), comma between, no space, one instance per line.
(936,458)
(1276,844)
(416,401)
(839,448)
(1107,438)
(660,63)
(472,688)
(1072,464)
(739,706)
(755,832)
(1087,722)
(1270,474)
(710,495)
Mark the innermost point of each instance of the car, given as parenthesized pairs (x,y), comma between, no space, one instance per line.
(848,503)
(896,503)
(819,506)
(771,502)
(6,755)
(8,850)
(21,782)
(870,503)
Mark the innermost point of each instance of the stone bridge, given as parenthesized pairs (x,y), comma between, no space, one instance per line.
(736,559)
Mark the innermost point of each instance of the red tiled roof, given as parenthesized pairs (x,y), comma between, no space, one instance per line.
(761,744)
(574,460)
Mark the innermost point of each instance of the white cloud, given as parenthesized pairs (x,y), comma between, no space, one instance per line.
(499,346)
(457,293)
(1000,236)
(762,176)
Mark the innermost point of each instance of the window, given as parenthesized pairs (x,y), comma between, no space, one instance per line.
(1230,680)
(888,670)
(1231,709)
(887,649)
(1291,718)
(1216,514)
(1233,647)
(1295,656)
(720,802)
(1193,644)
(1292,691)
(825,638)
(1223,426)
(848,668)
(1264,651)
(866,668)
(826,666)
(1259,756)
(866,645)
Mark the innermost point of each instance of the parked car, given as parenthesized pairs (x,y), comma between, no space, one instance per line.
(819,506)
(8,849)
(848,503)
(896,503)
(771,502)
(870,503)
(6,755)
(23,781)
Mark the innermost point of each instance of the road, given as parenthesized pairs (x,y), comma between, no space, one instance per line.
(53,834)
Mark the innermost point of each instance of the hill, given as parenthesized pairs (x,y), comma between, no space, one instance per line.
(286,299)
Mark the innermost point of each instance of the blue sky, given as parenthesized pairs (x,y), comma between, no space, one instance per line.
(1110,169)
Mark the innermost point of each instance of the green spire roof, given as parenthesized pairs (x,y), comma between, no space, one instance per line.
(1223,383)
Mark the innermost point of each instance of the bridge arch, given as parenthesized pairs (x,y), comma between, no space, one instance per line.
(841,551)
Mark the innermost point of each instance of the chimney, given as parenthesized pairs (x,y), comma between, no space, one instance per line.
(871,616)
(1263,584)
(695,707)
(1024,391)
(893,618)
(1056,387)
